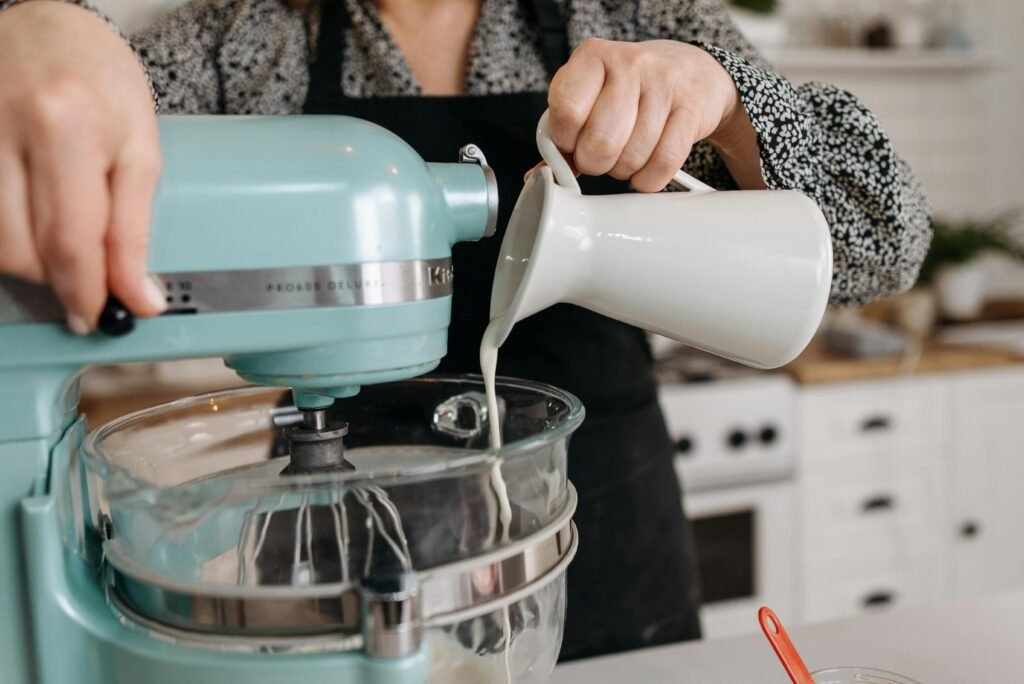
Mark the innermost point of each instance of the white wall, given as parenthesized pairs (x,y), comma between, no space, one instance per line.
(961,129)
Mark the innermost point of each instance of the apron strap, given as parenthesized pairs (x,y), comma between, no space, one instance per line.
(554,33)
(325,72)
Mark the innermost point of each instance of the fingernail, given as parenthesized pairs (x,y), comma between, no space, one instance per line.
(154,294)
(78,324)
(529,173)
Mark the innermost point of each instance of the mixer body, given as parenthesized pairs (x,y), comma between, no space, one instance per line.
(308,252)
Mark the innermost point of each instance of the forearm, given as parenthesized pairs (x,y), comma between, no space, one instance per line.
(735,141)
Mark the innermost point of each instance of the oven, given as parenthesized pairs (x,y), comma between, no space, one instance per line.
(746,554)
(735,441)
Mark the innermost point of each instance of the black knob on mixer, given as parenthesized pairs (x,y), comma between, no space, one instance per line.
(115,319)
(684,445)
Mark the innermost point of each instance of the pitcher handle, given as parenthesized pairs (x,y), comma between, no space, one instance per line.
(684,181)
(553,157)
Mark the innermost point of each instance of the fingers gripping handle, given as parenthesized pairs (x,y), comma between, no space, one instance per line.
(567,179)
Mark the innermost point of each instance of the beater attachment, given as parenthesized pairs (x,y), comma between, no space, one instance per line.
(314,446)
(307,537)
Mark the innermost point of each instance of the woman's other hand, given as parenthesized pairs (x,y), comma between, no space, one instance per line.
(634,111)
(79,160)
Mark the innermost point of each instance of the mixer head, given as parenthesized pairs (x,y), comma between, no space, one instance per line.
(308,252)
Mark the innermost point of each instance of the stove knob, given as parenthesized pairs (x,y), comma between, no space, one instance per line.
(737,439)
(685,445)
(769,434)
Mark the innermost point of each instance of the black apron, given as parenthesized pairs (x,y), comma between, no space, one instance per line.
(632,583)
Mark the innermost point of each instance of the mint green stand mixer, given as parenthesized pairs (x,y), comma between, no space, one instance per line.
(311,254)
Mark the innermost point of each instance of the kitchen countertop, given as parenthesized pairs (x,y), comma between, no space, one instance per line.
(962,642)
(816,365)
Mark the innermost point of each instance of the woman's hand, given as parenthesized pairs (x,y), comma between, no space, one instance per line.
(79,160)
(634,111)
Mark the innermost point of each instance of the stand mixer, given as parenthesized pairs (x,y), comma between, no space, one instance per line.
(191,543)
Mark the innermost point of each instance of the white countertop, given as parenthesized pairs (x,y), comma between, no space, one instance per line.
(964,642)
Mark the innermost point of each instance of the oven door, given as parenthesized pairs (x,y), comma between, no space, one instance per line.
(746,548)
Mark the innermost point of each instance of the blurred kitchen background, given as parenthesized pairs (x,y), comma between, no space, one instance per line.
(885,467)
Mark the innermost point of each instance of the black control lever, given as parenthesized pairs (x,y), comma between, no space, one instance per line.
(115,319)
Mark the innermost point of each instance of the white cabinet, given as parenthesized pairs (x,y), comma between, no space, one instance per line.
(910,490)
(986,488)
(871,579)
(871,495)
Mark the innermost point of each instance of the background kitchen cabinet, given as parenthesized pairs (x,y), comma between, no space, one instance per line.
(872,495)
(986,526)
(909,490)
(871,484)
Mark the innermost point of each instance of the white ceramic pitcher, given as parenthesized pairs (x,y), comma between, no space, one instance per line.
(745,274)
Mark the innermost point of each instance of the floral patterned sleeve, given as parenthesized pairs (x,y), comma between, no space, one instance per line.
(822,141)
(228,57)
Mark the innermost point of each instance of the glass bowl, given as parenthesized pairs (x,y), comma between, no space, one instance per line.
(202,535)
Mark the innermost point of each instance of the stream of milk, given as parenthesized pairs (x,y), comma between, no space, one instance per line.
(489,369)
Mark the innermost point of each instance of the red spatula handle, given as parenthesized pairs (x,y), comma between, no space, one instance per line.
(783,647)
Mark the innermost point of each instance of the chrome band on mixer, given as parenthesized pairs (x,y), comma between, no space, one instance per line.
(272,617)
(385,282)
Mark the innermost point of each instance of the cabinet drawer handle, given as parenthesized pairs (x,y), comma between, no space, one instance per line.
(877,504)
(876,424)
(969,529)
(878,599)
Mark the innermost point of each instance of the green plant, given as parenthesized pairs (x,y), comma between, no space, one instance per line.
(959,242)
(762,6)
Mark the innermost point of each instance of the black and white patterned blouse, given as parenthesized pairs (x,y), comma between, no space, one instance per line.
(252,57)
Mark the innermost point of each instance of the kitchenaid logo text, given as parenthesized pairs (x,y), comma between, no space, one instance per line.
(441,275)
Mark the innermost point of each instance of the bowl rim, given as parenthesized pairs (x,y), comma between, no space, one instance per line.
(92,446)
